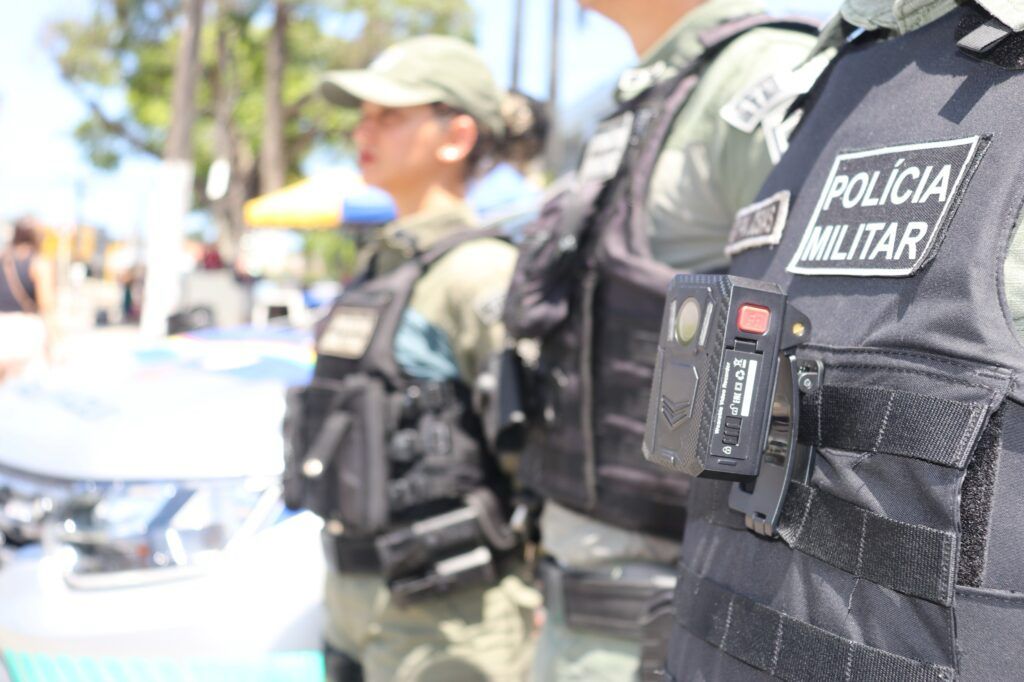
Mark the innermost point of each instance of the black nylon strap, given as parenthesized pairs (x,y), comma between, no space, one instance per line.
(914,560)
(865,419)
(783,646)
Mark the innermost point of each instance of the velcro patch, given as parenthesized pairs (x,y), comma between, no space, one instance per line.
(607,148)
(348,332)
(759,224)
(881,212)
(746,111)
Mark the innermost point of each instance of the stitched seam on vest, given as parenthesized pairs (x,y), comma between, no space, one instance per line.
(982,370)
(907,370)
(777,648)
(885,420)
(935,547)
(699,595)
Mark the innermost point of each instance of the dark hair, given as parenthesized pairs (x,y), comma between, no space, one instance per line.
(526,129)
(27,231)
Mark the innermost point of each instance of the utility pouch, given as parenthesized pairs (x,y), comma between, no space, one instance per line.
(656,630)
(538,299)
(726,395)
(336,463)
(614,602)
(455,547)
(469,569)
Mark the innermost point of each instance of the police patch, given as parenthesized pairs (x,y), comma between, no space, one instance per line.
(759,224)
(607,148)
(348,333)
(882,212)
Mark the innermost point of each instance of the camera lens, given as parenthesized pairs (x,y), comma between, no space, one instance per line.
(688,321)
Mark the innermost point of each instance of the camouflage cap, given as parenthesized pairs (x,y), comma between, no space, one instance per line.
(424,70)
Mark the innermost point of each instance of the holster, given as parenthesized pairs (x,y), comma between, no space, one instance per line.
(457,548)
(336,463)
(503,407)
(613,602)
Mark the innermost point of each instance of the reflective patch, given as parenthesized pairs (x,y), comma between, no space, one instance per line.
(489,306)
(348,333)
(881,212)
(759,224)
(607,148)
(767,102)
(746,110)
(778,128)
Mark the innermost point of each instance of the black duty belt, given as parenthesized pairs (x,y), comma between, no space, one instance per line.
(350,555)
(614,602)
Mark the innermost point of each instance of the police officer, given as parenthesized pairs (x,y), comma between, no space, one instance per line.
(384,443)
(898,558)
(692,140)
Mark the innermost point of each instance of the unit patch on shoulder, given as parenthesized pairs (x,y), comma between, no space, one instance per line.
(489,306)
(882,212)
(746,110)
(348,332)
(607,148)
(759,224)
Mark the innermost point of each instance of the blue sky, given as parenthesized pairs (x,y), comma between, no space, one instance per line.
(41,165)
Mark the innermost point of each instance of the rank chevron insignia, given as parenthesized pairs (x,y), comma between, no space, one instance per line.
(674,412)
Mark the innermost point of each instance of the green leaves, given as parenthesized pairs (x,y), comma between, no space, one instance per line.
(120,61)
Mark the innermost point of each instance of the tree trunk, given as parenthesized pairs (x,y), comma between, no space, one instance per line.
(227,209)
(273,159)
(517,44)
(186,73)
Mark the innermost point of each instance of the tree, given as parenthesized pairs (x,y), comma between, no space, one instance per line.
(255,99)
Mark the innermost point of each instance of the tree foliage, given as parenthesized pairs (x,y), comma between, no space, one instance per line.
(120,60)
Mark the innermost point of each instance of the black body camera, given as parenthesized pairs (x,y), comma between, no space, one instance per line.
(725,398)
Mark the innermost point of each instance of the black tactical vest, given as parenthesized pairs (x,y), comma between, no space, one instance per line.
(589,288)
(902,558)
(367,445)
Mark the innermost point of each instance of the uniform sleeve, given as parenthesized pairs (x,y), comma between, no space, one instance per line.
(709,169)
(463,296)
(743,160)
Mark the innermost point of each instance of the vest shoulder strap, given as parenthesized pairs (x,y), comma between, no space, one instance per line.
(380,354)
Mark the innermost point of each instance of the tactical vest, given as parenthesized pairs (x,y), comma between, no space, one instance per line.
(589,288)
(901,558)
(374,451)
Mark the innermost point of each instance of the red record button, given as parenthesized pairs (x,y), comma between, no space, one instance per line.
(753,319)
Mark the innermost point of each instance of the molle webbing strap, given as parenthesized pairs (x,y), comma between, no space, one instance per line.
(429,256)
(725,32)
(884,421)
(783,646)
(914,560)
(911,559)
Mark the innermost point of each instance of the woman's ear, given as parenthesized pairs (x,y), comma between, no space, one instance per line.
(459,139)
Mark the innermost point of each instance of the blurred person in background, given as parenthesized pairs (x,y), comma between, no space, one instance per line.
(694,135)
(27,300)
(385,443)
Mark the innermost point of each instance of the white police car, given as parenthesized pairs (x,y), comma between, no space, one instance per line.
(142,485)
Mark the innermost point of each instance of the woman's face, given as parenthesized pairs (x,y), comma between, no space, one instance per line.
(399,148)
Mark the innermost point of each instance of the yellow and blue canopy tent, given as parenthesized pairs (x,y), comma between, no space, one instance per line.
(320,202)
